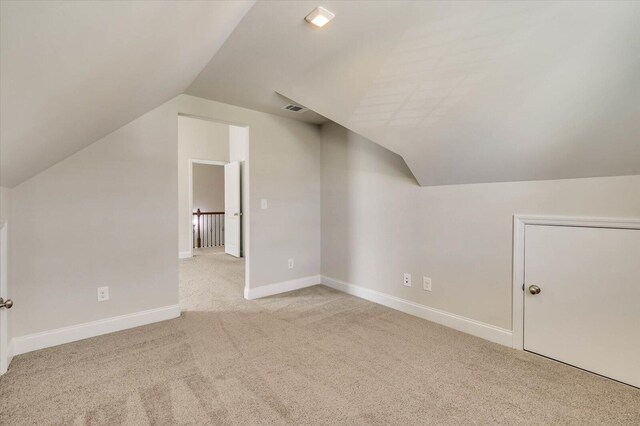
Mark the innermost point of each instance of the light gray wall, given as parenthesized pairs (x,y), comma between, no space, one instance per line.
(285,169)
(208,188)
(377,223)
(197,140)
(5,204)
(108,215)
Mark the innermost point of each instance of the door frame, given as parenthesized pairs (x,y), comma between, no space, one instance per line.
(519,226)
(193,161)
(5,343)
(243,137)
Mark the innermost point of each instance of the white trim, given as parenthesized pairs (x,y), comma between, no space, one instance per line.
(213,120)
(59,336)
(457,322)
(519,227)
(185,254)
(4,317)
(282,287)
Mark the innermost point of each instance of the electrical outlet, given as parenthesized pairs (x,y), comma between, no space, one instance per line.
(103,294)
(263,204)
(407,280)
(426,283)
(290,263)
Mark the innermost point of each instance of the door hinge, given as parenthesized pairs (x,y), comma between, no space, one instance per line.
(522,286)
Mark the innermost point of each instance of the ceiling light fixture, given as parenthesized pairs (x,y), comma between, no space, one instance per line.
(319,16)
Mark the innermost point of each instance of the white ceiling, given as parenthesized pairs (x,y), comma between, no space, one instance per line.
(72,72)
(471,92)
(466,92)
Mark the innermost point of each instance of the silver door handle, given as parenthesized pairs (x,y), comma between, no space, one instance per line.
(534,289)
(237,214)
(6,303)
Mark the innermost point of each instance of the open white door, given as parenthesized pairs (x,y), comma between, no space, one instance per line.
(4,303)
(232,209)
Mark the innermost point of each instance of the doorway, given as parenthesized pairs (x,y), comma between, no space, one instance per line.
(213,186)
(580,292)
(207,206)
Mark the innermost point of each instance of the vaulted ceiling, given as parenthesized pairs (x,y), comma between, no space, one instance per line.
(466,92)
(470,92)
(74,71)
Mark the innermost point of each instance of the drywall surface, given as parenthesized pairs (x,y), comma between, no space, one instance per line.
(197,140)
(377,224)
(5,204)
(108,216)
(208,188)
(284,156)
(105,216)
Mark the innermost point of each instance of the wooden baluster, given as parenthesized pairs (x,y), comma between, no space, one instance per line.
(199,243)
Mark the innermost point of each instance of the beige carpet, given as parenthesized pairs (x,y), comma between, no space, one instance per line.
(313,356)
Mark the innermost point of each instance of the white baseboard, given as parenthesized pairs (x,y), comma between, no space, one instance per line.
(283,287)
(59,336)
(184,254)
(457,322)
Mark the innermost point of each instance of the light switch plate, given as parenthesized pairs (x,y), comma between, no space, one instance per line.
(263,204)
(426,283)
(103,294)
(290,263)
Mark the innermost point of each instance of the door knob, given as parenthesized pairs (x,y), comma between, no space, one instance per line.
(534,289)
(6,303)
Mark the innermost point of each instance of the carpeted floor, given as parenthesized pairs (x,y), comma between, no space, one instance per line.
(313,356)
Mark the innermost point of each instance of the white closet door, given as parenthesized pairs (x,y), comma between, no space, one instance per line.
(587,312)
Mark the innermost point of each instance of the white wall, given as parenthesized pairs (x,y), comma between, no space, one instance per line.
(108,215)
(5,204)
(208,187)
(377,223)
(285,169)
(197,140)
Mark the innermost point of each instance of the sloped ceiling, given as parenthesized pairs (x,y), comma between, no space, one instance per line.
(466,92)
(470,92)
(74,71)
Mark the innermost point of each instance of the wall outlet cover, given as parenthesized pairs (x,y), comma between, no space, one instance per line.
(407,280)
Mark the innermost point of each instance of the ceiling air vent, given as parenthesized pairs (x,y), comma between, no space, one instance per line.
(295,108)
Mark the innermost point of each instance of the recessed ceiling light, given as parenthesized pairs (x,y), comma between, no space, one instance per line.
(319,16)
